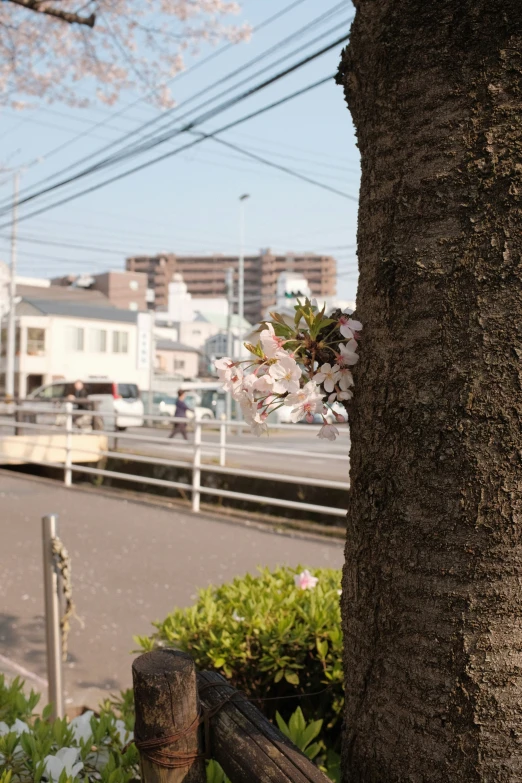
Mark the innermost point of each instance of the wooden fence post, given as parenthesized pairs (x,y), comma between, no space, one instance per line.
(167,731)
(250,748)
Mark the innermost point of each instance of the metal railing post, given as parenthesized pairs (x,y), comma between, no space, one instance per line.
(68,444)
(196,466)
(223,442)
(52,617)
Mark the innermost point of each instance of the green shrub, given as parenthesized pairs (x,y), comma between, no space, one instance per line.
(35,748)
(277,643)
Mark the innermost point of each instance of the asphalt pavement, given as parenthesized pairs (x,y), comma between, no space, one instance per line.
(319,458)
(132,562)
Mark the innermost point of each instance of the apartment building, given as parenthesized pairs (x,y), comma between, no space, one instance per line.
(205,276)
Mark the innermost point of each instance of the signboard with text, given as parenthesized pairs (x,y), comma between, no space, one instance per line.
(144,340)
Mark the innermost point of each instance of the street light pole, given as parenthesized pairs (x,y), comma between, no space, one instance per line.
(241,271)
(229,283)
(11,323)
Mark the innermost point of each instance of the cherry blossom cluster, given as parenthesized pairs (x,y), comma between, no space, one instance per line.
(47,48)
(302,362)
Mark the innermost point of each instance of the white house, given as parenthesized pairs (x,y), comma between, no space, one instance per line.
(58,339)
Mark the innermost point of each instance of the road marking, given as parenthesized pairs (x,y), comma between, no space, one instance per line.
(23,671)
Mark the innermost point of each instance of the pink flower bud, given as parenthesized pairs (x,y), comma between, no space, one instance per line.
(309,418)
(339,418)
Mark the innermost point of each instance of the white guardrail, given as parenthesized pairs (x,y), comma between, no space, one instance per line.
(66,414)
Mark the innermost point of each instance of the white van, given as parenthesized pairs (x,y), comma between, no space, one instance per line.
(117,405)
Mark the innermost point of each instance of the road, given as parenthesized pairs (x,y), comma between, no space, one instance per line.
(131,563)
(315,464)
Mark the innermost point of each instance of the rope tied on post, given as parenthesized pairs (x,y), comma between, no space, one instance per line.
(62,562)
(155,748)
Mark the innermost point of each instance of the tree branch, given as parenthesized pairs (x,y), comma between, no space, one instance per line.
(65,16)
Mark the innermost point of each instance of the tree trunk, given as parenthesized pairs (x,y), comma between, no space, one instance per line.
(432,600)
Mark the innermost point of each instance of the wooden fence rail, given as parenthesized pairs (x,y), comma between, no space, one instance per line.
(182,717)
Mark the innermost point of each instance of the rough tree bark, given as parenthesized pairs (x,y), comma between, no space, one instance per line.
(432,592)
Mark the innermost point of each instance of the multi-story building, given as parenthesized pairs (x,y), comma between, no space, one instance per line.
(205,276)
(126,290)
(57,339)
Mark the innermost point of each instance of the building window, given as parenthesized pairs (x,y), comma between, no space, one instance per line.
(120,342)
(98,340)
(133,305)
(133,285)
(75,338)
(179,364)
(35,342)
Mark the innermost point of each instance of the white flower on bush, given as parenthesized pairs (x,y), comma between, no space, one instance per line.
(66,759)
(305,580)
(81,727)
(348,327)
(328,376)
(286,374)
(307,401)
(19,727)
(237,618)
(272,345)
(123,733)
(328,432)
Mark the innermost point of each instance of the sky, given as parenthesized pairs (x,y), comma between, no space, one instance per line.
(189,203)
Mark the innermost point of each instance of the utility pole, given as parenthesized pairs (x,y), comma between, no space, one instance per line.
(229,284)
(11,323)
(241,271)
(152,356)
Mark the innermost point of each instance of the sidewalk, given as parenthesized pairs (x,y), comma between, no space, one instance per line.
(131,564)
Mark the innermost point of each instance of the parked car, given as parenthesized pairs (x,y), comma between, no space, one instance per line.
(117,405)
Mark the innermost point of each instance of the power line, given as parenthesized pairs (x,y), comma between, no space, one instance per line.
(178,76)
(277,46)
(278,166)
(174,152)
(142,145)
(219,109)
(73,246)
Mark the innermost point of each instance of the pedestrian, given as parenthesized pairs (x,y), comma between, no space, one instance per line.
(79,392)
(180,413)
(79,396)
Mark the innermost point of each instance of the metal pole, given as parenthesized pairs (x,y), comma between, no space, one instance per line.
(11,323)
(152,348)
(52,617)
(241,270)
(68,444)
(223,441)
(196,466)
(229,282)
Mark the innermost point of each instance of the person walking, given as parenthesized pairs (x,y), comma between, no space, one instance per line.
(80,397)
(180,413)
(79,393)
